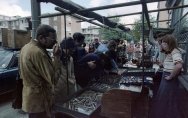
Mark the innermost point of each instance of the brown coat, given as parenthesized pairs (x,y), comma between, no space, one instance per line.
(38,73)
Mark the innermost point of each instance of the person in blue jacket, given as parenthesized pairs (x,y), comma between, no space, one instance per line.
(92,65)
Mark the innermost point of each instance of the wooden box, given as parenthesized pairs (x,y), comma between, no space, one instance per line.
(15,38)
(116,103)
(4,36)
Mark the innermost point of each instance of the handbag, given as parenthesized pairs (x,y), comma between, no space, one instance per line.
(17,102)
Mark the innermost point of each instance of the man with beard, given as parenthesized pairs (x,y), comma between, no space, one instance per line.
(37,70)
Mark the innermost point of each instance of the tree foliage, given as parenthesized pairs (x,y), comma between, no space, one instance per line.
(137,28)
(115,33)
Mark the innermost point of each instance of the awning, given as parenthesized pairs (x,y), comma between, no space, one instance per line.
(75,8)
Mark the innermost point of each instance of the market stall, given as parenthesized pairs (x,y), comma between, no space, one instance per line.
(110,96)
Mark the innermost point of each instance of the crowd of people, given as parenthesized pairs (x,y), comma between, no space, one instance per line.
(47,80)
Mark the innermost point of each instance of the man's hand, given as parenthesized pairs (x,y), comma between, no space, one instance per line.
(120,72)
(56,50)
(91,64)
(160,64)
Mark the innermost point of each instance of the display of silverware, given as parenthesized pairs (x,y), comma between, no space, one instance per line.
(109,79)
(101,86)
(86,103)
(135,80)
(131,80)
(140,70)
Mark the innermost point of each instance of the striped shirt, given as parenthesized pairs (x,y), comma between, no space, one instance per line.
(171,59)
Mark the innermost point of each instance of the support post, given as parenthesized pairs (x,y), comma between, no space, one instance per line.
(35,13)
(143,49)
(67,70)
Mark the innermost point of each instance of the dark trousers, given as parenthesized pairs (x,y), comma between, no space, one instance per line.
(38,115)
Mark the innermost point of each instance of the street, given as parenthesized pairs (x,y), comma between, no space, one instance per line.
(6,110)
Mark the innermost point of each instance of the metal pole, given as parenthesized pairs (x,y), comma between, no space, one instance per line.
(35,12)
(129,14)
(146,13)
(67,70)
(76,16)
(186,58)
(150,22)
(143,46)
(51,15)
(181,18)
(118,5)
(82,18)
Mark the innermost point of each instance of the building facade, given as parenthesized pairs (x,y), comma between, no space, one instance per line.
(91,33)
(163,15)
(3,17)
(57,22)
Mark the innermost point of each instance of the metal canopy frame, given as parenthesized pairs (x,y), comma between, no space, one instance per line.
(141,2)
(82,10)
(119,5)
(136,13)
(80,14)
(87,12)
(74,8)
(76,12)
(58,3)
(66,12)
(151,22)
(145,10)
(103,7)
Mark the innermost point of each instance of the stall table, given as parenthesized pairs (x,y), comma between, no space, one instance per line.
(111,96)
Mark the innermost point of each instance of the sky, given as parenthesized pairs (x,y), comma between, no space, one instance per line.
(23,8)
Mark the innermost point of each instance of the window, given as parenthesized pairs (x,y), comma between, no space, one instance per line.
(68,18)
(55,27)
(14,63)
(55,18)
(68,29)
(45,21)
(16,23)
(6,18)
(5,57)
(1,17)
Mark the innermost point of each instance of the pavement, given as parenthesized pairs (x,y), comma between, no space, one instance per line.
(6,110)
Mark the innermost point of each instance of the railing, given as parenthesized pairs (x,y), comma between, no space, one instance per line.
(183,44)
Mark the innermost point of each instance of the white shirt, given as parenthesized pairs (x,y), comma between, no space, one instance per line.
(171,59)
